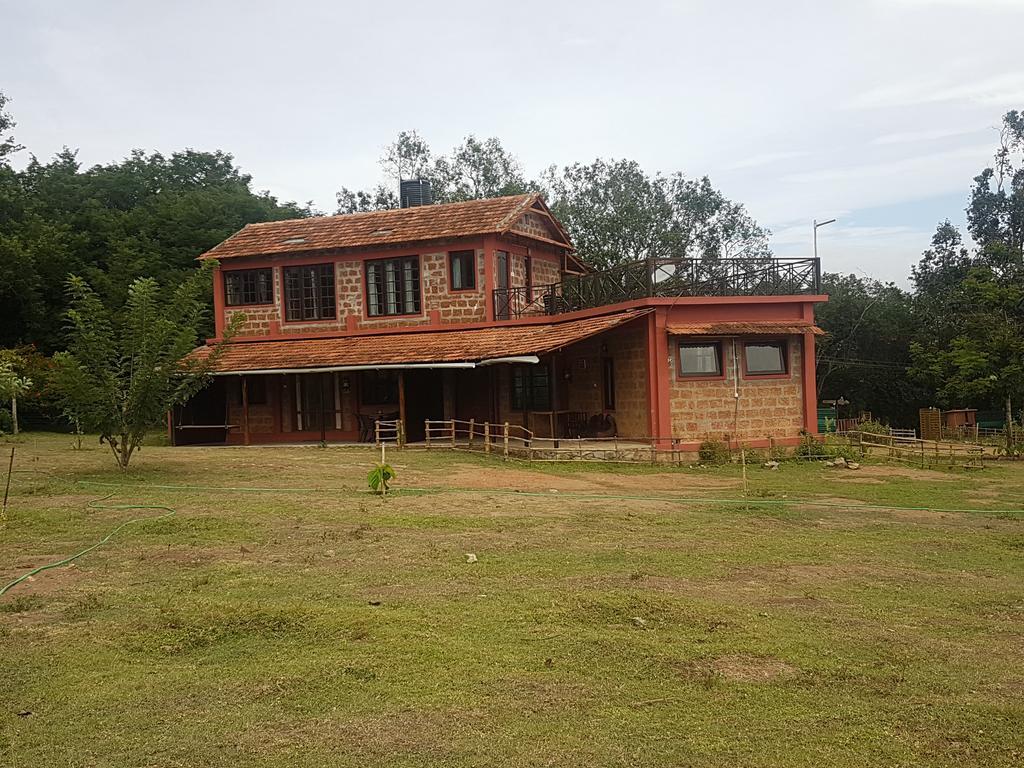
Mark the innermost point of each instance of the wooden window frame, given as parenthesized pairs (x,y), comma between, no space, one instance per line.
(463,254)
(787,367)
(718,344)
(527,399)
(323,300)
(400,296)
(244,275)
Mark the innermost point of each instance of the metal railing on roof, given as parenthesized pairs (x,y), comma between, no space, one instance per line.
(663,278)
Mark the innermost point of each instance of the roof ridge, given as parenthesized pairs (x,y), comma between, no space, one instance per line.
(360,214)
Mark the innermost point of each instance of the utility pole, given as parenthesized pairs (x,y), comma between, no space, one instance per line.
(816,225)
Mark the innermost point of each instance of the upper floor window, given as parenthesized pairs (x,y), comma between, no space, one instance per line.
(765,357)
(309,292)
(700,359)
(462,267)
(248,286)
(393,286)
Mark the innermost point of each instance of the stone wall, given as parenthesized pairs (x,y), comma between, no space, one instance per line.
(767,406)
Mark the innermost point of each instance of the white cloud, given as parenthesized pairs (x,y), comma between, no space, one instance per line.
(895,169)
(766,158)
(1000,90)
(913,137)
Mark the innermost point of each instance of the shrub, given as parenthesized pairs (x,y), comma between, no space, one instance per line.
(809,448)
(713,452)
(873,427)
(6,425)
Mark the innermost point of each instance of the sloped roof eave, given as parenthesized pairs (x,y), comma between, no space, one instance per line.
(440,348)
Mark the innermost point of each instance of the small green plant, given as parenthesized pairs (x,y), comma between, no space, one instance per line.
(713,452)
(809,448)
(380,477)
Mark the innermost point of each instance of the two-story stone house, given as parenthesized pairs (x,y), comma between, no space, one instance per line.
(480,310)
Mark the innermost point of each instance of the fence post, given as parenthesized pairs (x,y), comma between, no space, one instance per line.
(472,428)
(453,433)
(376,431)
(426,430)
(487,437)
(505,438)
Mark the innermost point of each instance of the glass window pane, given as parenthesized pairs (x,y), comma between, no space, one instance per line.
(765,357)
(700,359)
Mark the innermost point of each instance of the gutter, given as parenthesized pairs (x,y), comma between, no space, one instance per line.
(531,359)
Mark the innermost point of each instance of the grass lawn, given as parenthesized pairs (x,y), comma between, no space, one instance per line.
(614,616)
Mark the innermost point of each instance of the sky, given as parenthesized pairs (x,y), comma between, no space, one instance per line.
(875,112)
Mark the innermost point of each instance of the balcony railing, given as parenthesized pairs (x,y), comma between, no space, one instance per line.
(663,278)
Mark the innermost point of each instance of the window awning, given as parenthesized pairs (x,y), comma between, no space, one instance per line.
(744,329)
(420,349)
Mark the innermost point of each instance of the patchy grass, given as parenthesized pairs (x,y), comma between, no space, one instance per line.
(631,616)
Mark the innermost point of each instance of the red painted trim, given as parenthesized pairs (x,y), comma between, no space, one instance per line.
(810,385)
(658,398)
(218,302)
(787,358)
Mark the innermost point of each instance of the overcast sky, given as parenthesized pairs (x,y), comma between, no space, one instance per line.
(878,112)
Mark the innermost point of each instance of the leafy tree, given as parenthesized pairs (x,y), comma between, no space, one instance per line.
(865,353)
(8,146)
(478,169)
(613,210)
(124,371)
(996,210)
(615,213)
(150,214)
(984,360)
(474,169)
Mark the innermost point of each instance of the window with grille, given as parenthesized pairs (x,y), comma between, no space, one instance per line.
(309,292)
(531,388)
(248,286)
(462,266)
(393,286)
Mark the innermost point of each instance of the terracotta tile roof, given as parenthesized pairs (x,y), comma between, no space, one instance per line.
(744,329)
(472,345)
(494,215)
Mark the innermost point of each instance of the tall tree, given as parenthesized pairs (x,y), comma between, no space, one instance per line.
(148,215)
(865,353)
(8,146)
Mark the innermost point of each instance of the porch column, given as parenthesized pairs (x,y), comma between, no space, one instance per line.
(218,302)
(401,397)
(659,399)
(245,409)
(810,385)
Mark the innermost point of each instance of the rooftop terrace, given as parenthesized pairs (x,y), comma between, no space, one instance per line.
(663,278)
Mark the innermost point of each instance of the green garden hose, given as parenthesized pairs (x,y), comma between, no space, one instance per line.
(95,504)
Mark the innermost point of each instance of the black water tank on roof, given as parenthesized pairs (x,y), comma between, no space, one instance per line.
(414,192)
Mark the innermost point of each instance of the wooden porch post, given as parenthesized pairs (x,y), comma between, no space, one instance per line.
(401,397)
(245,409)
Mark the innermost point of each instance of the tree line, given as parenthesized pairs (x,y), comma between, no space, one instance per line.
(954,338)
